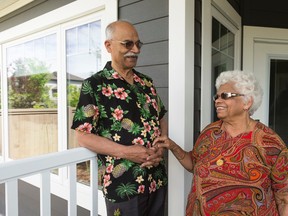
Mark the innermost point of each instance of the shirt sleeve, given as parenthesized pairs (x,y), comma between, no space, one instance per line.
(162,108)
(87,112)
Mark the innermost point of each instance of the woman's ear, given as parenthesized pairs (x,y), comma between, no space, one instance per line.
(248,104)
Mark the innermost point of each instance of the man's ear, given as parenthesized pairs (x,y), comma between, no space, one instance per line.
(108,44)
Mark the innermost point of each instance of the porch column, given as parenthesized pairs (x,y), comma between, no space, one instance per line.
(181,97)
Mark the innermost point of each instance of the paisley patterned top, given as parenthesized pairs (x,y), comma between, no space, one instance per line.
(127,114)
(244,175)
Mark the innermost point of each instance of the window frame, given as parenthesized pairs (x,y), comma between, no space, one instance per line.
(227,16)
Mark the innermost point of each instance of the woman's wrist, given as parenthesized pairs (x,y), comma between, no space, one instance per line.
(178,152)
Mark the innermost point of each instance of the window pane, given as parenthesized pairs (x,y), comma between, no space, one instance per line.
(32,109)
(278,103)
(83,58)
(223,43)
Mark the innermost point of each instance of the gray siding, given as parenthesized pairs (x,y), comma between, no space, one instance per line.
(150,18)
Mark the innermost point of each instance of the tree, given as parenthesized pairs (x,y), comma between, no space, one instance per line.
(73,95)
(27,85)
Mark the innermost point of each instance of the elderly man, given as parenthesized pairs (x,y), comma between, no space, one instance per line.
(118,116)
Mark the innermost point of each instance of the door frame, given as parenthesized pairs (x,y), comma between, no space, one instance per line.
(271,41)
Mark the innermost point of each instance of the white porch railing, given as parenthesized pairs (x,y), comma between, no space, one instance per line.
(11,171)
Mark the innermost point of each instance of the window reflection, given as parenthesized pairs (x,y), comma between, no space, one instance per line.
(83,50)
(32,112)
(83,58)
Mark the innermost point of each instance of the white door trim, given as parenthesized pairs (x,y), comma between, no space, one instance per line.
(260,45)
(253,34)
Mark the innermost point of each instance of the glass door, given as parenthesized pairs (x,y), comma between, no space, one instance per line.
(278,102)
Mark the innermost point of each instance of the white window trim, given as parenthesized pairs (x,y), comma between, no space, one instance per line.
(228,17)
(46,24)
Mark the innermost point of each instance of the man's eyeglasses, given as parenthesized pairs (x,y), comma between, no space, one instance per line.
(129,44)
(226,95)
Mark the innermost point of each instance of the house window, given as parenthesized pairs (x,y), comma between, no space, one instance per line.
(32,114)
(83,58)
(221,50)
(223,43)
(83,49)
(41,61)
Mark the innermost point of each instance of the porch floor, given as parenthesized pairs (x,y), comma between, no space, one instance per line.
(29,202)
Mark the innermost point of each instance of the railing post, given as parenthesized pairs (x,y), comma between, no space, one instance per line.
(72,196)
(94,186)
(45,197)
(11,198)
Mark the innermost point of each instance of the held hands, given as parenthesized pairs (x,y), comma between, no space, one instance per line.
(164,142)
(144,156)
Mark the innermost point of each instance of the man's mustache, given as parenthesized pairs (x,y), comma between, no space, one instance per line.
(131,55)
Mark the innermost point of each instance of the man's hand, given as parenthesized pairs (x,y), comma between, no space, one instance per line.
(139,154)
(154,159)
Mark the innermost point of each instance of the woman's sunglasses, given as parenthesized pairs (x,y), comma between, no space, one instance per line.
(128,44)
(226,95)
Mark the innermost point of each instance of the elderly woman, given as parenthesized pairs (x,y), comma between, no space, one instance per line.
(240,165)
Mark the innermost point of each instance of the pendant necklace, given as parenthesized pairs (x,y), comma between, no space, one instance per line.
(220,161)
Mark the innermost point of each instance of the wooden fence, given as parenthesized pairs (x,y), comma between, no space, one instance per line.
(35,132)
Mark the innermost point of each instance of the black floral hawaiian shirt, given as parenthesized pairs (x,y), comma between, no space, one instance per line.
(127,114)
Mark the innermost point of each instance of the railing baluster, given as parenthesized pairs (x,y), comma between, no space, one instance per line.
(45,197)
(72,203)
(94,186)
(11,198)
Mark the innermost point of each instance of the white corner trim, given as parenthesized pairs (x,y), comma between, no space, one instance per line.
(181,98)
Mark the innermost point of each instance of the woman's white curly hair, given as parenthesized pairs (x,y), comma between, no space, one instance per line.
(245,83)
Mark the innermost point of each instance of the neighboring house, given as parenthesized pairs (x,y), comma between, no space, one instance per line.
(186,45)
(52,83)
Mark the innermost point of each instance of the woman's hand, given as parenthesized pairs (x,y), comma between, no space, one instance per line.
(164,142)
(181,155)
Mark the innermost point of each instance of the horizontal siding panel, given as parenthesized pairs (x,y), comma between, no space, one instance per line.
(144,10)
(154,53)
(159,74)
(154,30)
(126,2)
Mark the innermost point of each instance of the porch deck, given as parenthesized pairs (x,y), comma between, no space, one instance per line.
(29,202)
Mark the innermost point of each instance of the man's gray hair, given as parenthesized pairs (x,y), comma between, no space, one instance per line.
(110,29)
